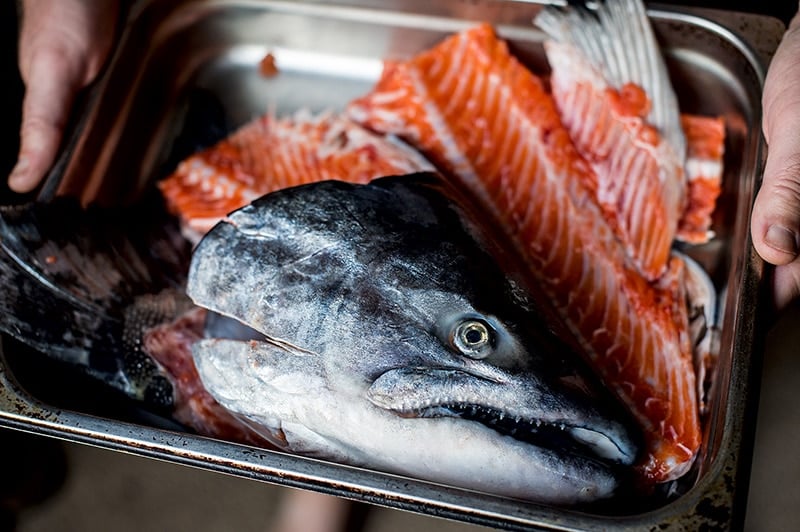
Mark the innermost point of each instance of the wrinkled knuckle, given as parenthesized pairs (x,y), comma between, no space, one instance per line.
(52,54)
(781,103)
(790,172)
(58,59)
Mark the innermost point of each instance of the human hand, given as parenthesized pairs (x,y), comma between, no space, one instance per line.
(775,224)
(63,44)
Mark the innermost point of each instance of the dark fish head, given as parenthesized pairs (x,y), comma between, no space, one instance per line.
(368,324)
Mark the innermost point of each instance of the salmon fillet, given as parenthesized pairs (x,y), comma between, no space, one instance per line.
(269,154)
(640,184)
(489,123)
(614,97)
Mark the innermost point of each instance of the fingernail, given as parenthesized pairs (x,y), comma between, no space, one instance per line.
(782,239)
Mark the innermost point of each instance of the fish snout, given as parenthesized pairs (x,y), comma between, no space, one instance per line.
(508,409)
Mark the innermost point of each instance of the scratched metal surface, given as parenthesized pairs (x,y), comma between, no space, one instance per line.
(186,74)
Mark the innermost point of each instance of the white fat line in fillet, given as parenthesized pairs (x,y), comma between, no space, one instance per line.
(702,168)
(521,168)
(458,76)
(383,99)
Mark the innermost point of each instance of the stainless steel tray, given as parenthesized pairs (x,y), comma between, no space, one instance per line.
(186,73)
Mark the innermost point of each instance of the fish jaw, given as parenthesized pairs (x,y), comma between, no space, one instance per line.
(299,404)
(520,407)
(247,375)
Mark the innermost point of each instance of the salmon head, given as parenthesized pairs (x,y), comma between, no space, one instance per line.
(368,324)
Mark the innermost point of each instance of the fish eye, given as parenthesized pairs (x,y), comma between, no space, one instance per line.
(473,338)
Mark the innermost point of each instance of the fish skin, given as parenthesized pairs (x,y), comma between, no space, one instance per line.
(81,285)
(358,290)
(102,291)
(489,123)
(704,323)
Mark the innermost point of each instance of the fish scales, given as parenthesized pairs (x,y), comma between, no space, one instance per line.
(543,196)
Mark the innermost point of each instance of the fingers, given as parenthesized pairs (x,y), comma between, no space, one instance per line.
(776,213)
(63,44)
(45,110)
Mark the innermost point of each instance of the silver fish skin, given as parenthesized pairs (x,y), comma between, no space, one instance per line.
(383,334)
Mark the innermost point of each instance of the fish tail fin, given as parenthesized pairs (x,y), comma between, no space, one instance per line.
(78,289)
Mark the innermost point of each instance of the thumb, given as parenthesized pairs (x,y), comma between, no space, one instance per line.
(775,223)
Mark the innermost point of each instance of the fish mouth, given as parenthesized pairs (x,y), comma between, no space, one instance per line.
(577,429)
(225,327)
(579,441)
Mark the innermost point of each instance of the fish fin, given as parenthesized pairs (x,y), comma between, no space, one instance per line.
(619,42)
(79,288)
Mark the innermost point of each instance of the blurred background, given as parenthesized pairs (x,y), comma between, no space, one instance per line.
(48,485)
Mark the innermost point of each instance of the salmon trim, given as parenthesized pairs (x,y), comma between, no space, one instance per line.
(269,154)
(640,186)
(704,165)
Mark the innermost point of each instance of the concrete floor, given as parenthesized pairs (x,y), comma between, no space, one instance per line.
(137,494)
(134,494)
